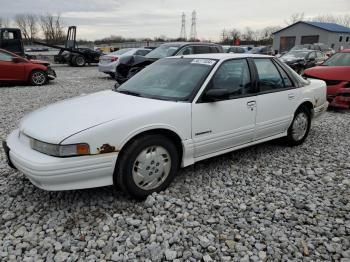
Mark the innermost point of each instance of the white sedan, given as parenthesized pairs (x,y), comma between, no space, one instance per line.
(175,112)
(108,63)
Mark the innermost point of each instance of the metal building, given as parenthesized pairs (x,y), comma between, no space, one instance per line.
(305,32)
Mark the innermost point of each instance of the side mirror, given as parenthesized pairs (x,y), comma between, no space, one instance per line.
(17,60)
(213,95)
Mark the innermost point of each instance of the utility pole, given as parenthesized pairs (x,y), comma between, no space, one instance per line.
(183,27)
(194,26)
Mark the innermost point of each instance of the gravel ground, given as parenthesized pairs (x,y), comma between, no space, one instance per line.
(266,202)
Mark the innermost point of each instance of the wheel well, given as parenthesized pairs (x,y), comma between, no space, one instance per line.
(308,105)
(160,131)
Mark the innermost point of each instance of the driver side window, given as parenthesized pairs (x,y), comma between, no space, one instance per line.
(234,76)
(5,57)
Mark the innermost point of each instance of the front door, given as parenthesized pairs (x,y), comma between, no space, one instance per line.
(276,101)
(230,120)
(10,70)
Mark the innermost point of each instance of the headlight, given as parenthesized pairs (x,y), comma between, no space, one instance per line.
(60,150)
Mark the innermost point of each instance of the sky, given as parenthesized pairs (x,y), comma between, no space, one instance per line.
(96,19)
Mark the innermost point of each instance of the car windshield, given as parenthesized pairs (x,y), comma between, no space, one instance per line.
(301,47)
(121,51)
(163,51)
(338,59)
(172,79)
(297,54)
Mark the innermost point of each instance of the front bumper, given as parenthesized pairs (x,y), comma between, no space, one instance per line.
(339,95)
(54,173)
(51,74)
(319,110)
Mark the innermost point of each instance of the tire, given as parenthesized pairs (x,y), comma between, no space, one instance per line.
(112,75)
(79,60)
(300,71)
(300,127)
(38,78)
(148,164)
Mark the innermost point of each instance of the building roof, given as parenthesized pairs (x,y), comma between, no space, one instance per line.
(331,27)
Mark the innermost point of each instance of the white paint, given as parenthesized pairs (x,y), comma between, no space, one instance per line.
(113,118)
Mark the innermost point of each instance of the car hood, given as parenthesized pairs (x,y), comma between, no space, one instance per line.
(329,72)
(40,62)
(56,122)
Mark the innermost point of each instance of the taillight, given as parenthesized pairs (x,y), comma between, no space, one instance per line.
(114,58)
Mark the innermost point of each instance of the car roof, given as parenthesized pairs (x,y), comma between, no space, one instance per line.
(180,44)
(222,56)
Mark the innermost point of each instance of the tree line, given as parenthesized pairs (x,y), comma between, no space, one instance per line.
(265,35)
(46,27)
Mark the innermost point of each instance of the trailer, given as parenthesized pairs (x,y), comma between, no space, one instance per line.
(71,53)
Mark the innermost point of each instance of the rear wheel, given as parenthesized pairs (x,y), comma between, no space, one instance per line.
(300,127)
(147,165)
(38,78)
(80,60)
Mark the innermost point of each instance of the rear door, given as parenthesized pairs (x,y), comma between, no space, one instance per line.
(277,99)
(10,70)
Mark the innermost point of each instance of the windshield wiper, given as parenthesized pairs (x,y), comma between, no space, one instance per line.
(129,92)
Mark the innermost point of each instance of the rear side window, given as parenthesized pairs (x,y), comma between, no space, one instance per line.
(201,49)
(269,77)
(286,80)
(5,57)
(214,49)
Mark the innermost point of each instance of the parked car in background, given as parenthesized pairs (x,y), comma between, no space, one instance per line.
(16,68)
(317,47)
(263,50)
(108,63)
(336,73)
(128,66)
(175,112)
(234,49)
(300,60)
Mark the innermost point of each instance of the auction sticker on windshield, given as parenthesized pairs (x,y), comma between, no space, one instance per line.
(208,62)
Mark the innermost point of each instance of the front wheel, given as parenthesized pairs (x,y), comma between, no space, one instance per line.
(300,127)
(38,78)
(147,165)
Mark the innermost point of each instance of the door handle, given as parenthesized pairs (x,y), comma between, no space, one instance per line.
(291,96)
(251,103)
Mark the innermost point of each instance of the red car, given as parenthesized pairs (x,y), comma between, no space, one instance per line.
(336,73)
(19,69)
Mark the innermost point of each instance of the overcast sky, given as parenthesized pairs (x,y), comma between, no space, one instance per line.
(139,18)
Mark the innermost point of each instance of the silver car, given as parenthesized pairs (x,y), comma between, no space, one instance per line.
(108,63)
